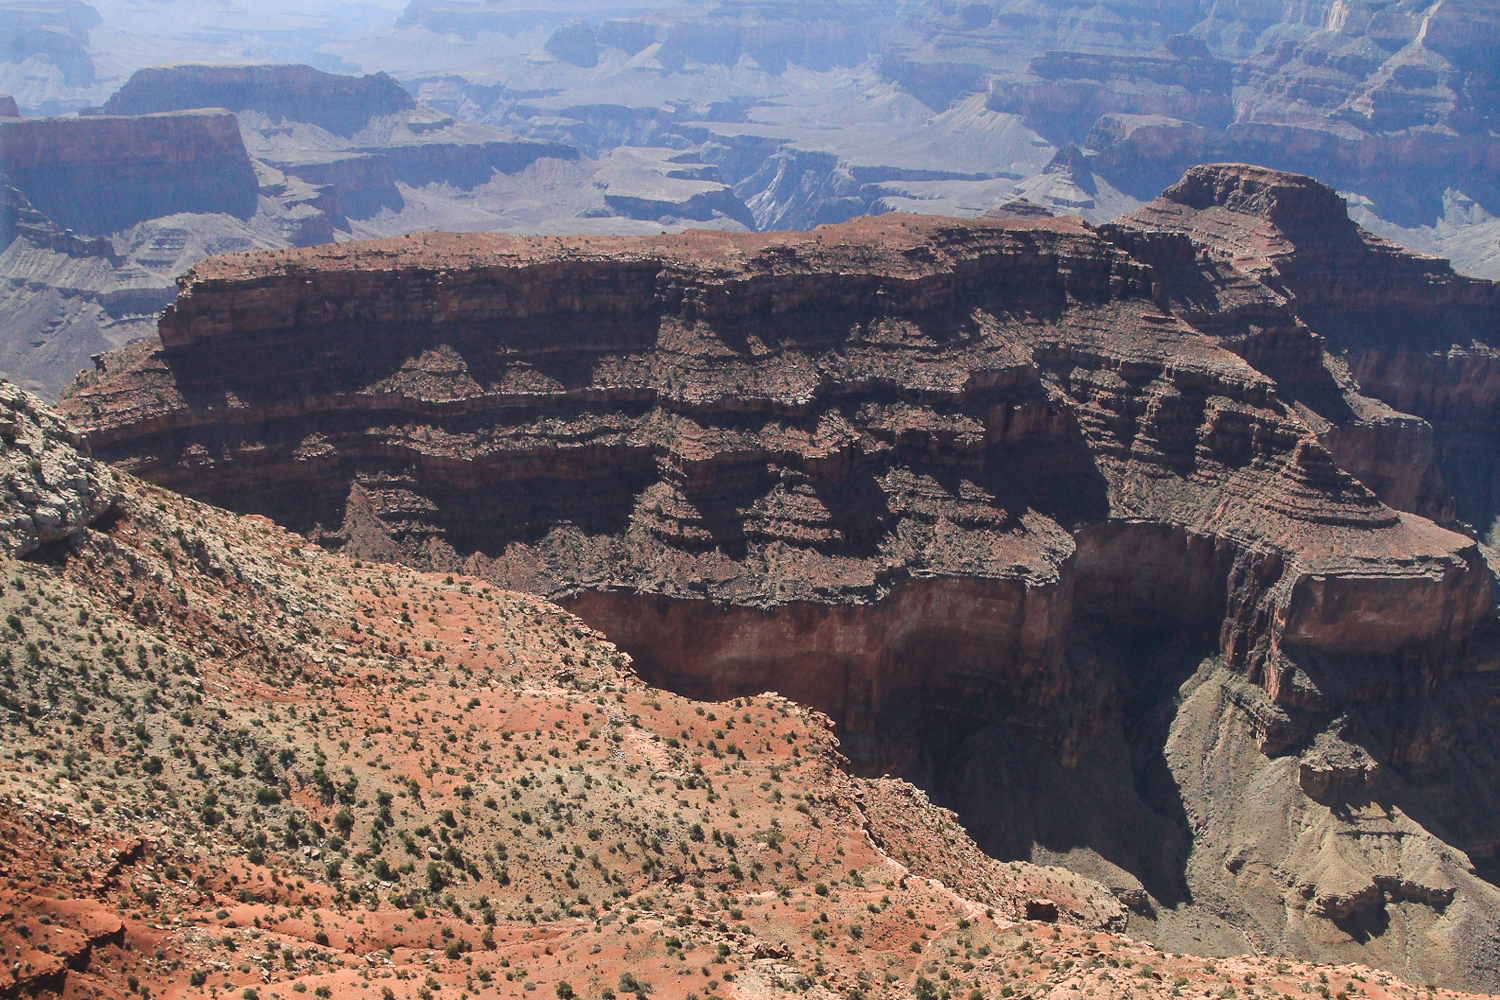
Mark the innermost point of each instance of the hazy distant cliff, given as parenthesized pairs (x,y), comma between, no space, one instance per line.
(340,104)
(102,174)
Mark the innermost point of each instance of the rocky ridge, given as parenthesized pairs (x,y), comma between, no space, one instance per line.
(1041,515)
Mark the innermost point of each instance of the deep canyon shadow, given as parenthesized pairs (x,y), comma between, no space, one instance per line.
(1028,789)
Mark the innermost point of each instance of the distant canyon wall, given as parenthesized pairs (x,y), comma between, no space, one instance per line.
(101,174)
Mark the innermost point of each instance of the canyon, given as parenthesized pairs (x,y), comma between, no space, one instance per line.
(103,210)
(1087,532)
(1151,548)
(237,762)
(363,122)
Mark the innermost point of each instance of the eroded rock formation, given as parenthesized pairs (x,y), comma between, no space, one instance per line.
(359,136)
(339,104)
(1071,90)
(104,173)
(1087,531)
(52,487)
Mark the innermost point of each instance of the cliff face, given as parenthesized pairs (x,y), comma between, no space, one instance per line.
(1072,90)
(1406,330)
(102,174)
(1043,516)
(341,104)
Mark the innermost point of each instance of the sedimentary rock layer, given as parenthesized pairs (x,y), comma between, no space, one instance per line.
(340,104)
(1417,340)
(102,174)
(1006,498)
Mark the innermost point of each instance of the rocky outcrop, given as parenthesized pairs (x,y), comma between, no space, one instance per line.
(340,104)
(1413,337)
(101,174)
(8,107)
(52,488)
(1002,497)
(19,218)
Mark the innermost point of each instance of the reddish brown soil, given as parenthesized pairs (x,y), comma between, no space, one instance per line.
(587,827)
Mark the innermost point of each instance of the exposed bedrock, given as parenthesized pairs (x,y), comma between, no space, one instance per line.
(340,104)
(1064,93)
(359,136)
(1404,332)
(101,174)
(1086,530)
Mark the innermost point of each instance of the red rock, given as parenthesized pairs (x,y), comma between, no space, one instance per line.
(986,492)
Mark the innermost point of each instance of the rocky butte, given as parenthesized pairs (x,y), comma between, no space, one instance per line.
(1149,548)
(104,173)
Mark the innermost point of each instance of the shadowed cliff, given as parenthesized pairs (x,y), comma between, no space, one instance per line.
(102,174)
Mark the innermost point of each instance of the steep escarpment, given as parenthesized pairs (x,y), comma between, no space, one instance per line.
(1005,498)
(339,104)
(105,173)
(1072,90)
(1416,339)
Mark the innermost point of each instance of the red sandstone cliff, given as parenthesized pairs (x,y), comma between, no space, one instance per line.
(1027,507)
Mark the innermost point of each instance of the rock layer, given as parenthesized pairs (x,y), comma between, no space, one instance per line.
(1404,392)
(102,174)
(340,104)
(1004,497)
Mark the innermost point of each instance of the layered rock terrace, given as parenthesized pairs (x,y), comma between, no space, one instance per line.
(982,490)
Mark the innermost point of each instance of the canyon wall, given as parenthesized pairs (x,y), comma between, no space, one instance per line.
(1411,334)
(1072,90)
(1044,516)
(361,136)
(101,174)
(339,104)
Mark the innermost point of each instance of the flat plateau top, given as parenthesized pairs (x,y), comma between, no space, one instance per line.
(892,237)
